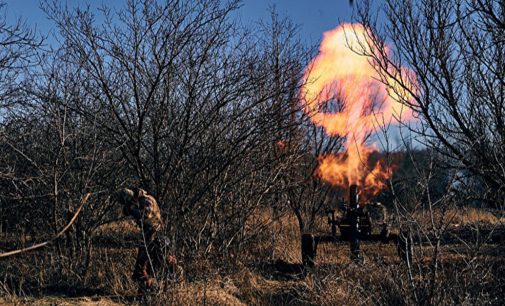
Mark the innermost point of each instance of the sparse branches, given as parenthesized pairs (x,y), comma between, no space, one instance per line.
(18,47)
(454,52)
(454,85)
(193,104)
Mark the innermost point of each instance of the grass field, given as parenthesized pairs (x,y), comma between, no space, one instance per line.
(466,273)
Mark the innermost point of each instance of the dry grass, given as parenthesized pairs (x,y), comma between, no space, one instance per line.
(473,215)
(59,301)
(119,228)
(461,217)
(382,279)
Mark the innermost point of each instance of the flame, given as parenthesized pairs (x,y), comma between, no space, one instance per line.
(346,83)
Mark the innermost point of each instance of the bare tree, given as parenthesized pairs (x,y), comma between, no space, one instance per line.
(18,46)
(194,106)
(455,51)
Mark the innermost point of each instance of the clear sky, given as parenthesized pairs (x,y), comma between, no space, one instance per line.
(313,16)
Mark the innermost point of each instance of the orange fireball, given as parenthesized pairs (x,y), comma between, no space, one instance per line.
(363,103)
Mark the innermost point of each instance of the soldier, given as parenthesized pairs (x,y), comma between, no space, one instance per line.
(144,209)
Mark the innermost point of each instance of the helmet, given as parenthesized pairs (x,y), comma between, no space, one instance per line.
(124,196)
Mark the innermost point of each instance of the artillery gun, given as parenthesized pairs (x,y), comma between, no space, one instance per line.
(358,222)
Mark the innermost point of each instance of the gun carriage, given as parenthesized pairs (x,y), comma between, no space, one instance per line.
(358,223)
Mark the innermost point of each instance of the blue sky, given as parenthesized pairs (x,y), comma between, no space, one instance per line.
(313,16)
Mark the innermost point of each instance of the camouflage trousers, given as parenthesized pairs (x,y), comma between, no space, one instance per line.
(149,261)
(152,262)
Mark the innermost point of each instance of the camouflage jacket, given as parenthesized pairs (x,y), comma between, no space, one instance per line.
(143,208)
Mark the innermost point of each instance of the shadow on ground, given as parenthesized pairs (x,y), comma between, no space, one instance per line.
(280,270)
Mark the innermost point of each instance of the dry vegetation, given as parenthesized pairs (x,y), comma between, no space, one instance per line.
(181,99)
(381,279)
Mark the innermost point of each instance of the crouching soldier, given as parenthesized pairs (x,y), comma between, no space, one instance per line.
(144,209)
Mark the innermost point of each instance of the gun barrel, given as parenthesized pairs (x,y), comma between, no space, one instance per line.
(354,222)
(353,196)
